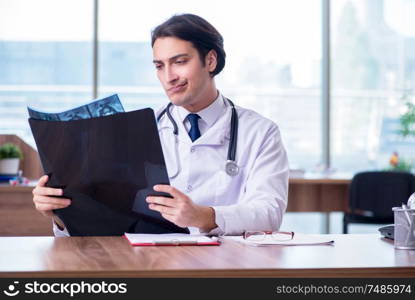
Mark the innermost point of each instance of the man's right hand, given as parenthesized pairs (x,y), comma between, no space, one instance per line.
(44,199)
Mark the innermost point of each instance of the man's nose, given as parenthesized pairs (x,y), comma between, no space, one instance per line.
(170,75)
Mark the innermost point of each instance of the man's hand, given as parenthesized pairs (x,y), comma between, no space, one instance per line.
(181,210)
(44,200)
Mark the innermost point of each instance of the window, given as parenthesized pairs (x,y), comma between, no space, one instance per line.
(273,66)
(373,74)
(273,60)
(45,59)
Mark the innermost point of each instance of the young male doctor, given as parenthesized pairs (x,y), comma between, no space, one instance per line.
(227,165)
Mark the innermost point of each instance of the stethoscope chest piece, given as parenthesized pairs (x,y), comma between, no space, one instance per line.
(231,168)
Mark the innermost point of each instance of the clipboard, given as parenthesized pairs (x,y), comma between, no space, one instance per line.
(173,239)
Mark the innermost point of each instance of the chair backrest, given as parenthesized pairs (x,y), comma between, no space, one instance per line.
(378,192)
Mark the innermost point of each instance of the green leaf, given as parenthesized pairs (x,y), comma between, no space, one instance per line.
(10,150)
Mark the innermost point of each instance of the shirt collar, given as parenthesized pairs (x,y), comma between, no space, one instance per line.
(209,114)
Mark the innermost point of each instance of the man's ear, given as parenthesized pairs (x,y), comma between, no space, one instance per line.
(211,60)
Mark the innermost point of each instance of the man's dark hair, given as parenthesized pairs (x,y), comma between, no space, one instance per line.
(198,31)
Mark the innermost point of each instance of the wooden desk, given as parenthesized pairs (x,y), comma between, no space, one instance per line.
(350,256)
(317,193)
(18,216)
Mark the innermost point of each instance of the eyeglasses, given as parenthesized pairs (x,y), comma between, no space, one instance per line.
(262,235)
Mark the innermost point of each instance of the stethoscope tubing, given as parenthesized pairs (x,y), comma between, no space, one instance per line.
(233,136)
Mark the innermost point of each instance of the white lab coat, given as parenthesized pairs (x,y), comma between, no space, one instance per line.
(256,198)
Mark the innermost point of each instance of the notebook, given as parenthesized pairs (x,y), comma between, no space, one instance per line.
(172,239)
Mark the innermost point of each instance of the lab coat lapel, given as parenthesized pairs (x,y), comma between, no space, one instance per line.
(218,133)
(183,135)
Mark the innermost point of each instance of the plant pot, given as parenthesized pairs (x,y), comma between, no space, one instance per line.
(9,165)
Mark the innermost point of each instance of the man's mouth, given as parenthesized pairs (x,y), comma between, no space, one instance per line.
(177,88)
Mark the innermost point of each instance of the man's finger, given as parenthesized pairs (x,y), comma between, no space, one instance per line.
(169,217)
(169,190)
(48,207)
(47,191)
(163,209)
(173,219)
(161,200)
(51,200)
(43,180)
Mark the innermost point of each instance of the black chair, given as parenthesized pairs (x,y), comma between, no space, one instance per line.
(373,194)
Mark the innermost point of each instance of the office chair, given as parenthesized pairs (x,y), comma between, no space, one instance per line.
(373,194)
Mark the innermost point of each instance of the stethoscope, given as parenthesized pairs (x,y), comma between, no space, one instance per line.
(231,167)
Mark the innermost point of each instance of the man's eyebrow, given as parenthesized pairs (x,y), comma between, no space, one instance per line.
(155,61)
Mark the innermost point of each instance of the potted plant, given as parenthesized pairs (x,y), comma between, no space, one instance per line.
(407,120)
(407,129)
(399,164)
(10,155)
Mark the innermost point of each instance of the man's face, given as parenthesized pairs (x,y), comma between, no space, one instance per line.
(179,68)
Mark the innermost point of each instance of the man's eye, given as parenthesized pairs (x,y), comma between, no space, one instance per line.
(158,67)
(180,62)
